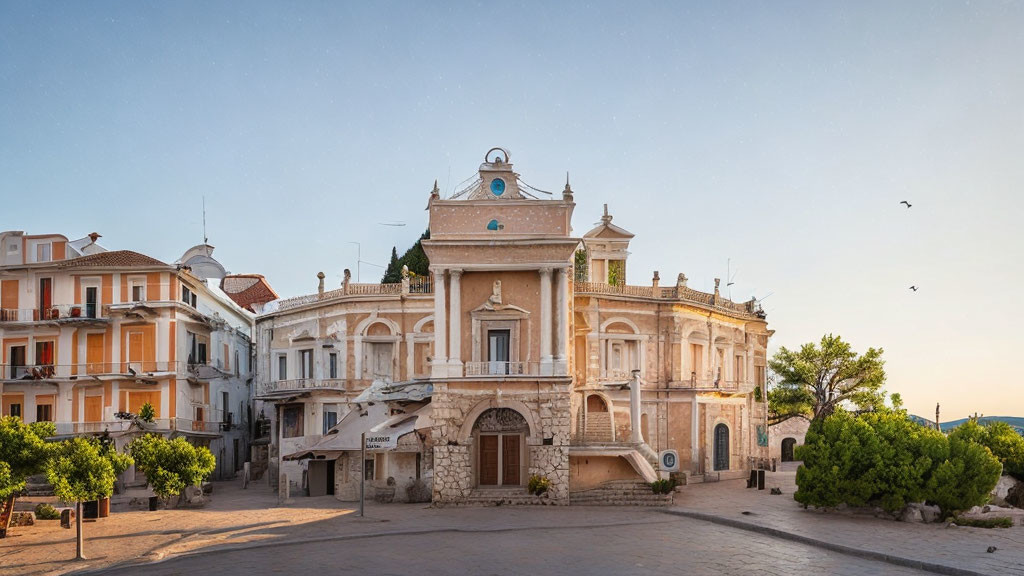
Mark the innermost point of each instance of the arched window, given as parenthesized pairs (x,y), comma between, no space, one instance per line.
(721,447)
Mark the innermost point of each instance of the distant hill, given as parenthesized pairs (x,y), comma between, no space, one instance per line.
(1015,421)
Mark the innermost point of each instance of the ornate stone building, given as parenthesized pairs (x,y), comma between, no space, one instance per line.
(513,364)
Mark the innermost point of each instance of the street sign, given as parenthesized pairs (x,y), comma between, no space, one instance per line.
(669,460)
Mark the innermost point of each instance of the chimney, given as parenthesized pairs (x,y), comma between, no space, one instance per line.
(656,280)
(94,236)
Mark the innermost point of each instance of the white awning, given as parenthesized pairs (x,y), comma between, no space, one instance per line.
(385,435)
(345,435)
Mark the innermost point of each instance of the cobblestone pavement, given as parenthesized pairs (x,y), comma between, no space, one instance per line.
(957,548)
(669,545)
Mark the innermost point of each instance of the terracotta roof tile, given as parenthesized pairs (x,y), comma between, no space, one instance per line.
(113,259)
(248,289)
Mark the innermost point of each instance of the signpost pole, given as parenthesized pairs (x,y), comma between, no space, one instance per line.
(362,475)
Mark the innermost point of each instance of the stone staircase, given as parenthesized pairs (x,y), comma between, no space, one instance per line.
(38,486)
(515,496)
(619,493)
(598,427)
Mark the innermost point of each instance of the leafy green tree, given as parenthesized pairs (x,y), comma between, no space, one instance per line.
(147,413)
(83,469)
(813,381)
(171,465)
(23,452)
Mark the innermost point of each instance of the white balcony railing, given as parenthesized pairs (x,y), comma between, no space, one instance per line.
(51,313)
(54,371)
(300,384)
(502,369)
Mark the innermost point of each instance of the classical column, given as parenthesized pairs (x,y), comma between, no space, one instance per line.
(695,435)
(440,361)
(545,322)
(634,409)
(561,320)
(455,324)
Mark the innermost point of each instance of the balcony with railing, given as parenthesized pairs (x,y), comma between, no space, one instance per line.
(277,387)
(53,313)
(413,285)
(679,293)
(66,371)
(502,369)
(157,425)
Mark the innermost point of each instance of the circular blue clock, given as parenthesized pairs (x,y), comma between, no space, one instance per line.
(497,186)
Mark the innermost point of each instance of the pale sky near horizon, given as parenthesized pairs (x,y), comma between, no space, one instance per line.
(778,136)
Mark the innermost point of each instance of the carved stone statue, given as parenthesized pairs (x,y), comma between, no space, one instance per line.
(495,299)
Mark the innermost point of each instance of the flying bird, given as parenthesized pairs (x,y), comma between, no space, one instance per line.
(914,288)
(905,202)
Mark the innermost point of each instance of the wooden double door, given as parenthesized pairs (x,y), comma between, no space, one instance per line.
(500,460)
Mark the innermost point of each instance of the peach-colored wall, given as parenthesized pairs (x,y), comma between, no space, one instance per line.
(520,289)
(460,218)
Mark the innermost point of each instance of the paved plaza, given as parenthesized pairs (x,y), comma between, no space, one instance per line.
(659,545)
(714,528)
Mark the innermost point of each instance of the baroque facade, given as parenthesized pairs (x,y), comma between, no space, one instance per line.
(524,353)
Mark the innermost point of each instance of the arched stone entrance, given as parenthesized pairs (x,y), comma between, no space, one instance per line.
(788,444)
(721,447)
(501,454)
(596,404)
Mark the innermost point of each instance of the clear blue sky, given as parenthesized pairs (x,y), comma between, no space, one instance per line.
(778,135)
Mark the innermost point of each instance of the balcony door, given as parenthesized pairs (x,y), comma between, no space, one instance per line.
(94,353)
(91,299)
(17,361)
(45,297)
(497,351)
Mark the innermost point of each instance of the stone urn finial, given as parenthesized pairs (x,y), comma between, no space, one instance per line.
(320,288)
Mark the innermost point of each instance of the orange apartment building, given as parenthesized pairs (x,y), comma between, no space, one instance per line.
(89,336)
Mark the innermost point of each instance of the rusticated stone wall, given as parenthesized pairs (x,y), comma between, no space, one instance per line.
(543,405)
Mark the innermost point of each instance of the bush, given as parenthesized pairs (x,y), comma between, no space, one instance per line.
(883,458)
(663,486)
(46,512)
(965,478)
(999,522)
(538,485)
(1001,439)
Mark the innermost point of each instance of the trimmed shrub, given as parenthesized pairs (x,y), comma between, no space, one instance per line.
(46,512)
(883,458)
(1000,438)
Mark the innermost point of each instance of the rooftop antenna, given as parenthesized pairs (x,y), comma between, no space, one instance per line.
(729,276)
(205,239)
